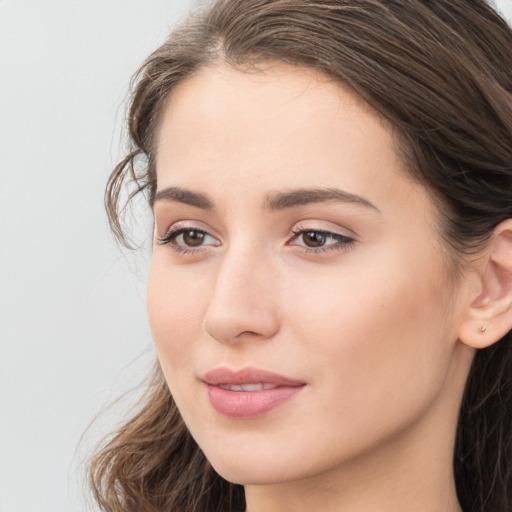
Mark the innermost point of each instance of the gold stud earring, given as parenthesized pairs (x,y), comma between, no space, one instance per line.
(482,329)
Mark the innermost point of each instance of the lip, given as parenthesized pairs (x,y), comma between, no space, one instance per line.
(248,404)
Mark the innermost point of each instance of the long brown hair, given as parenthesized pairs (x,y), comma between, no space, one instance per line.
(441,72)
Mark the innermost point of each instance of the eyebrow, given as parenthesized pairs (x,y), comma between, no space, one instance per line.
(304,196)
(273,202)
(181,195)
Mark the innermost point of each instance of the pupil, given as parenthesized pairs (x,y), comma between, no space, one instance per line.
(193,237)
(314,239)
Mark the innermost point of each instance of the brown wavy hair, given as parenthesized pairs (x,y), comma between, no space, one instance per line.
(441,72)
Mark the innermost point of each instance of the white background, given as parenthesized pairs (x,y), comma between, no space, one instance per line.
(73,330)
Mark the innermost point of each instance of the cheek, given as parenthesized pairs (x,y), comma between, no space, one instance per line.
(364,299)
(380,335)
(175,313)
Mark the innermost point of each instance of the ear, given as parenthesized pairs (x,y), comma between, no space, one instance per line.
(489,315)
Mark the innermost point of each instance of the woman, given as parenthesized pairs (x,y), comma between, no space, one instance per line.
(331,284)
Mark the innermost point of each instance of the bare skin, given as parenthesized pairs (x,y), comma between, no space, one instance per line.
(350,295)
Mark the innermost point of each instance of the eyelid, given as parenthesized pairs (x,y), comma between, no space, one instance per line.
(187,225)
(340,240)
(343,241)
(330,228)
(181,227)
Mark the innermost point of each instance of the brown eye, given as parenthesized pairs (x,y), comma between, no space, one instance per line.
(193,237)
(318,240)
(314,238)
(188,238)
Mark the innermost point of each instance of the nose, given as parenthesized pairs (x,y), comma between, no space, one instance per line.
(244,303)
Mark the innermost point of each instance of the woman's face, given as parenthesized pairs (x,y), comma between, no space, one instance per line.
(299,297)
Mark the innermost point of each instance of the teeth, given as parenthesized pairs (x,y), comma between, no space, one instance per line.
(247,387)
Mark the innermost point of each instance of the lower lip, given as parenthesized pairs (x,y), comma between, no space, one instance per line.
(249,404)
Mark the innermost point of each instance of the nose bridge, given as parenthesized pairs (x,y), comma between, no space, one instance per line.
(243,301)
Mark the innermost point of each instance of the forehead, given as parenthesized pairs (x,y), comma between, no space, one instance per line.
(281,89)
(281,118)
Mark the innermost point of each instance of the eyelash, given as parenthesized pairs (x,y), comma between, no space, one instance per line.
(170,237)
(343,242)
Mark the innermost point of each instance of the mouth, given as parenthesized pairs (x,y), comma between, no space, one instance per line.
(247,387)
(248,393)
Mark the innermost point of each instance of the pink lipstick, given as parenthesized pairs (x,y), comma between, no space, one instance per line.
(249,392)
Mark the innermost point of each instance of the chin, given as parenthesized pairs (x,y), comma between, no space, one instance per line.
(245,474)
(258,466)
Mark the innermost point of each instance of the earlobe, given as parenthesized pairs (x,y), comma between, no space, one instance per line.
(489,315)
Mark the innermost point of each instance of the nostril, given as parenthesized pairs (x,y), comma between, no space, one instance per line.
(249,334)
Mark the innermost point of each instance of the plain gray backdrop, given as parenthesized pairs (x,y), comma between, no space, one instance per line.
(73,329)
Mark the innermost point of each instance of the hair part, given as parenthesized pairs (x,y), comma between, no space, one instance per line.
(441,73)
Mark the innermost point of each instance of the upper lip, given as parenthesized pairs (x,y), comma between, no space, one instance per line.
(247,375)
